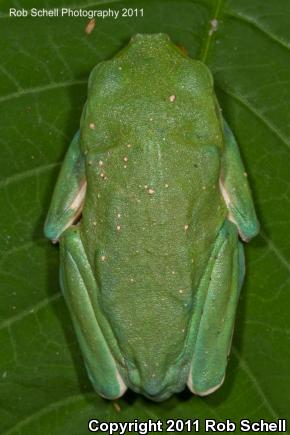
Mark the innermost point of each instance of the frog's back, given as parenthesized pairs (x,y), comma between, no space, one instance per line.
(153,206)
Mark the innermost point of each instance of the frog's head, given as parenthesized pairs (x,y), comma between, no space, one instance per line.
(150,45)
(152,38)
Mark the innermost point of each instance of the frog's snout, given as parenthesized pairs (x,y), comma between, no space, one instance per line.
(152,37)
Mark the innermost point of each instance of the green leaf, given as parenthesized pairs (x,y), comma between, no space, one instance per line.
(44,67)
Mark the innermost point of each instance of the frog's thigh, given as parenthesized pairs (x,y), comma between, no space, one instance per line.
(78,284)
(218,294)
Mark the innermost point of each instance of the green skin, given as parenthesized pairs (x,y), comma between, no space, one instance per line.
(152,272)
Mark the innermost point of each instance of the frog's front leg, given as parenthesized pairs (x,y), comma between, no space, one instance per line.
(235,188)
(214,313)
(69,192)
(81,293)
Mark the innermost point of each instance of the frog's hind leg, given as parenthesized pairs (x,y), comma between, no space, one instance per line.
(215,310)
(69,192)
(80,291)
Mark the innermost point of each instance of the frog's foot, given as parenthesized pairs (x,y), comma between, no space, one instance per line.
(80,291)
(213,323)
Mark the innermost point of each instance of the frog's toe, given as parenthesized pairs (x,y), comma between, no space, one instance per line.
(112,390)
(204,388)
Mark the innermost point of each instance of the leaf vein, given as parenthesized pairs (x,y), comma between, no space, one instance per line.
(276,250)
(26,174)
(37,89)
(246,104)
(245,367)
(249,20)
(31,310)
(47,409)
(209,36)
